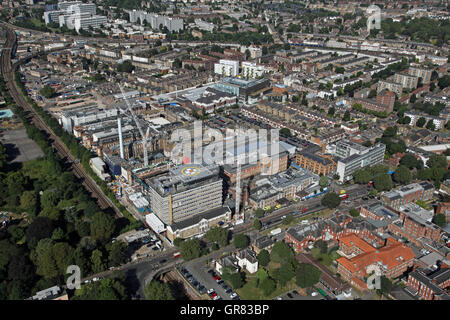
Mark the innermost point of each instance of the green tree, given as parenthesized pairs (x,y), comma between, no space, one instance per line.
(285,132)
(117,253)
(98,262)
(307,275)
(241,241)
(29,202)
(235,279)
(267,286)
(362,176)
(354,212)
(386,285)
(323,181)
(263,258)
(259,213)
(44,260)
(322,245)
(346,116)
(437,161)
(102,226)
(156,290)
(281,253)
(190,249)
(382,182)
(402,175)
(430,125)
(420,122)
(409,160)
(440,220)
(284,274)
(125,66)
(47,92)
(105,289)
(257,224)
(331,200)
(217,235)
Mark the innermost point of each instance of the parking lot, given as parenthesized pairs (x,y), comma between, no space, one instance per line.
(203,279)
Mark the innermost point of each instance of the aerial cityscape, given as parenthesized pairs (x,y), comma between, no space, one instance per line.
(225,150)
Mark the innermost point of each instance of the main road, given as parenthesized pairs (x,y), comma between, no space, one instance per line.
(8,70)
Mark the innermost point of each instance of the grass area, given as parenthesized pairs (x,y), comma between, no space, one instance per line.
(423,204)
(324,258)
(250,291)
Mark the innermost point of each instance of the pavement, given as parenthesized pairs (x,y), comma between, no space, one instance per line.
(20,148)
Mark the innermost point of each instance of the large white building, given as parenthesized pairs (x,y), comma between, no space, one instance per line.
(228,68)
(252,70)
(156,20)
(76,15)
(355,157)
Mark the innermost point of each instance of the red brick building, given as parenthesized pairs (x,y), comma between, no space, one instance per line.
(391,260)
(387,98)
(429,285)
(444,208)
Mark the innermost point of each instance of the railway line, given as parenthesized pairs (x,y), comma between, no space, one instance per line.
(8,71)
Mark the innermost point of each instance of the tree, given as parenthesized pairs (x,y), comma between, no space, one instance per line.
(409,160)
(263,258)
(236,280)
(402,175)
(307,275)
(257,224)
(190,249)
(281,253)
(102,226)
(437,161)
(362,176)
(322,245)
(259,213)
(440,220)
(354,212)
(125,66)
(346,116)
(217,235)
(241,241)
(323,181)
(28,202)
(47,92)
(420,123)
(331,200)
(156,290)
(382,182)
(117,253)
(386,285)
(284,274)
(40,228)
(98,262)
(430,125)
(267,286)
(285,132)
(105,289)
(44,260)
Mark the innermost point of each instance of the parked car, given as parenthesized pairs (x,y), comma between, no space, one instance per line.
(210,291)
(217,278)
(234,294)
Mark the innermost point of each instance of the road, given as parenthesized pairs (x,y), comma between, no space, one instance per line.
(8,71)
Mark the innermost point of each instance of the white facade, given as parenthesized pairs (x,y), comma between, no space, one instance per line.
(228,68)
(252,70)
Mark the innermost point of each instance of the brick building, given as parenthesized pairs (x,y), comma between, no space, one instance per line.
(315,163)
(391,260)
(429,285)
(387,98)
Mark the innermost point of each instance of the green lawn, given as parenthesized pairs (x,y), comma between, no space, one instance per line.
(324,258)
(250,292)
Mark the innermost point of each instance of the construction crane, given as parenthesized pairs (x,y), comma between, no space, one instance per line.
(141,132)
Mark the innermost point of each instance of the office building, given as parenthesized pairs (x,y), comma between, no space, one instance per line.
(316,163)
(184,192)
(365,157)
(409,193)
(245,90)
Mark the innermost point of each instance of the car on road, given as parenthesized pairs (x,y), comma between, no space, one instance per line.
(216,278)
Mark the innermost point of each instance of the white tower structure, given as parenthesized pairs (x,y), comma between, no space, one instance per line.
(119,125)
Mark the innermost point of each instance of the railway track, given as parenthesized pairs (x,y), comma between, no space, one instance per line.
(8,71)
